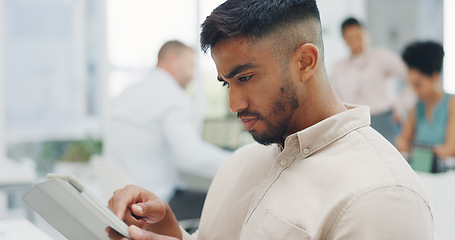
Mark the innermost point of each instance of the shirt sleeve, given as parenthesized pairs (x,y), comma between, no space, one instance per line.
(191,153)
(396,68)
(394,65)
(392,213)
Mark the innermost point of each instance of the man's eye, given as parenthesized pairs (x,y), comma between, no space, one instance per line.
(225,84)
(242,79)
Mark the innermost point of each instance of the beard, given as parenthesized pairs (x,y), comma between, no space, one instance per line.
(277,121)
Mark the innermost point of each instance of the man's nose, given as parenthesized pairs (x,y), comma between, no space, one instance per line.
(237,100)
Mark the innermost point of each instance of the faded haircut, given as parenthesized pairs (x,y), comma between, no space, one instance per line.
(289,23)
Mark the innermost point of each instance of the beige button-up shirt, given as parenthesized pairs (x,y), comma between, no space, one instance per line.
(338,179)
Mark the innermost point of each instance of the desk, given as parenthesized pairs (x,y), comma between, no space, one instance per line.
(440,188)
(20,229)
(16,190)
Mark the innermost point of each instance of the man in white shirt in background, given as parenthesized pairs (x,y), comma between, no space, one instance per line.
(151,132)
(364,78)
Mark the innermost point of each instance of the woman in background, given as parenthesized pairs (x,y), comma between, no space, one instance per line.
(432,121)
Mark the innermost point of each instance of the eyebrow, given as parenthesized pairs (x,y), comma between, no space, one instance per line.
(237,70)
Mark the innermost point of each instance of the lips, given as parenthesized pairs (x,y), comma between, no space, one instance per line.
(249,122)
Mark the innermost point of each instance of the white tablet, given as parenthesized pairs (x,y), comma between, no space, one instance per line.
(66,204)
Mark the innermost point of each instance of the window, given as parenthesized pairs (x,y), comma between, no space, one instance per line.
(136,31)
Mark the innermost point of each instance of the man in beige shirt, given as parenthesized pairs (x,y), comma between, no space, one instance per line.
(321,172)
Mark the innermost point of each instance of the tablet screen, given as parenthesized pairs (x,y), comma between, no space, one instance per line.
(65,203)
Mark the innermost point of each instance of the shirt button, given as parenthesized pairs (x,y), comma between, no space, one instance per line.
(306,151)
(283,162)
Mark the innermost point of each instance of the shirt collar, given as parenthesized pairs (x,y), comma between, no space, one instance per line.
(329,130)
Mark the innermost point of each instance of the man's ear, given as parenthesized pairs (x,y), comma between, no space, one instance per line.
(308,57)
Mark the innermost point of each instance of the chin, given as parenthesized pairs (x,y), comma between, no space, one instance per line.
(264,140)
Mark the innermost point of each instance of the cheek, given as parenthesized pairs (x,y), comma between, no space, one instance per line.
(422,89)
(417,88)
(428,88)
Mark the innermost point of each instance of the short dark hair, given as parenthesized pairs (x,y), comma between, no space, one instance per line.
(348,22)
(426,57)
(254,19)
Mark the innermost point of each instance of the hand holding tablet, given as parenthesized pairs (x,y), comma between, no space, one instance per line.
(69,207)
(151,217)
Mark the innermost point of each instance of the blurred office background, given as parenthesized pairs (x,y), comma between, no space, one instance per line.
(62,60)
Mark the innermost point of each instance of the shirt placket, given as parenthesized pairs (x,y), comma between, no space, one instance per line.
(284,160)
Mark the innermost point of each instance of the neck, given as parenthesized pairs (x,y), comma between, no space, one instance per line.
(321,102)
(168,69)
(327,101)
(435,98)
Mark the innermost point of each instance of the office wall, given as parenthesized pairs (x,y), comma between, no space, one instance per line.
(2,90)
(430,21)
(333,13)
(449,46)
(396,23)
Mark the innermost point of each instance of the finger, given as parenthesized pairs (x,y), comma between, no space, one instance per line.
(130,219)
(111,205)
(123,198)
(153,211)
(140,234)
(114,235)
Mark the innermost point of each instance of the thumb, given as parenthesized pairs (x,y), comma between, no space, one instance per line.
(153,210)
(140,234)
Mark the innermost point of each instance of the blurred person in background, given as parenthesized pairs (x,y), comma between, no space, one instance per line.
(432,120)
(151,131)
(364,78)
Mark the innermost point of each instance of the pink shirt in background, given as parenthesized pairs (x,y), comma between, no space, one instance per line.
(365,79)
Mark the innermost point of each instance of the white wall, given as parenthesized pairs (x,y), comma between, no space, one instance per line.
(392,23)
(2,90)
(396,23)
(430,20)
(449,46)
(333,13)
(138,28)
